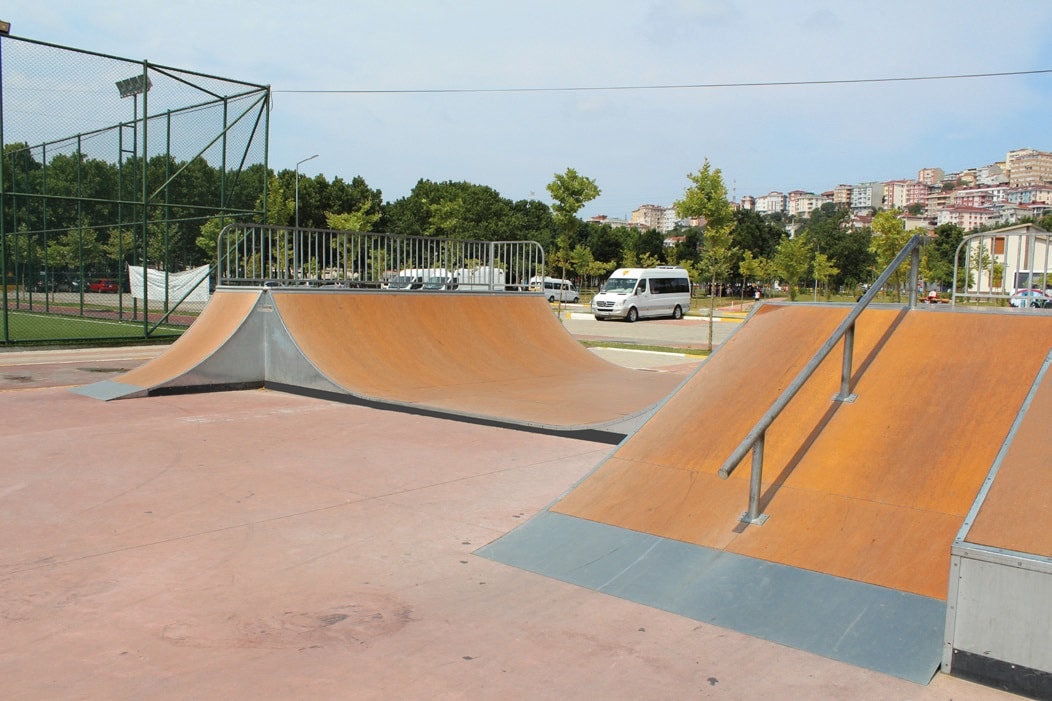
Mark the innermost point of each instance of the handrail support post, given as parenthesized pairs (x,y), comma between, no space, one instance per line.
(845,394)
(914,275)
(753,517)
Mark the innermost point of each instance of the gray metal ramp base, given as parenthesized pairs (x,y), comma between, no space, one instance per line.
(109,389)
(873,627)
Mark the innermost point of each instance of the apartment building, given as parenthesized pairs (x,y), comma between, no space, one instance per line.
(614,222)
(1027,166)
(1033,194)
(895,194)
(916,191)
(842,195)
(770,203)
(800,203)
(991,175)
(867,196)
(652,216)
(968,218)
(978,196)
(930,176)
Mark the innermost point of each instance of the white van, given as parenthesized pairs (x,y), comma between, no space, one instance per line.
(635,293)
(555,289)
(414,278)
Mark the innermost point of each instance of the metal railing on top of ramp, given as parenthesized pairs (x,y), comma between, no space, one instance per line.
(276,255)
(754,440)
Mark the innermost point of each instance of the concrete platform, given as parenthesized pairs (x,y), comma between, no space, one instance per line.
(265,545)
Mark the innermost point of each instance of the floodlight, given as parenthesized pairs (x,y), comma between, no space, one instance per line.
(136,85)
(5,28)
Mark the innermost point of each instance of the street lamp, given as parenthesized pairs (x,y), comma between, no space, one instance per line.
(298,187)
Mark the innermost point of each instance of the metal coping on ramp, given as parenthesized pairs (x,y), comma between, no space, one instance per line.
(498,359)
(866,495)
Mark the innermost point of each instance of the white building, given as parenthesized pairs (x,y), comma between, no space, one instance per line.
(770,203)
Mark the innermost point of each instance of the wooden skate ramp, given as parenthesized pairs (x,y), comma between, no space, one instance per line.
(205,355)
(496,358)
(1016,514)
(502,357)
(872,491)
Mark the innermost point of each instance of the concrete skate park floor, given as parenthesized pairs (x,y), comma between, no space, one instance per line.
(264,545)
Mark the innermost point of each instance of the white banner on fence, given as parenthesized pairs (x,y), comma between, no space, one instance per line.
(194,282)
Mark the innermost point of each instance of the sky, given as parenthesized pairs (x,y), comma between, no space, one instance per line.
(344,76)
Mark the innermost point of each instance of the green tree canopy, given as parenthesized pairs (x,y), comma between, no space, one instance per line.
(570,192)
(706,197)
(791,262)
(889,236)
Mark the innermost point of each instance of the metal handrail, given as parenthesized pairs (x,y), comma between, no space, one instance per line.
(754,440)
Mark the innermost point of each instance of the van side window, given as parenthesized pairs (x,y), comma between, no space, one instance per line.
(669,285)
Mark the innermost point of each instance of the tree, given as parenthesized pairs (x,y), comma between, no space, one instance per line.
(359,220)
(750,268)
(648,244)
(791,262)
(465,211)
(756,234)
(939,252)
(570,192)
(707,197)
(823,269)
(829,231)
(889,236)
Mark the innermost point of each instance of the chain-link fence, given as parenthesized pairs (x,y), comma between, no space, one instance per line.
(110,163)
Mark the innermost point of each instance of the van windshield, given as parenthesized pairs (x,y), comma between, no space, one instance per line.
(620,284)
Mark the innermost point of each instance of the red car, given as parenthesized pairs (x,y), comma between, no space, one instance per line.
(102,286)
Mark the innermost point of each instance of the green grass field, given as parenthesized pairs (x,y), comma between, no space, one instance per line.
(37,327)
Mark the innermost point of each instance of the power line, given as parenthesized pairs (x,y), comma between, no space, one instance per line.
(685,86)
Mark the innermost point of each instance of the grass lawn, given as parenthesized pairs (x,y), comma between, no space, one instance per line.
(37,327)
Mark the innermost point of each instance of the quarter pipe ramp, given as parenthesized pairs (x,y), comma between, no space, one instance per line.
(493,358)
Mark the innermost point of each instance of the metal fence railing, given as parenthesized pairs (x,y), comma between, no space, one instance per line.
(276,255)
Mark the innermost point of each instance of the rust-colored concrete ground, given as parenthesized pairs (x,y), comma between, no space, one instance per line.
(259,545)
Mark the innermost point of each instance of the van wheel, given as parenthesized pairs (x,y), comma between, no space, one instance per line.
(599,318)
(677,313)
(576,300)
(632,315)
(551,300)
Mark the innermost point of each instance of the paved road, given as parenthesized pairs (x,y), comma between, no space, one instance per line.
(691,333)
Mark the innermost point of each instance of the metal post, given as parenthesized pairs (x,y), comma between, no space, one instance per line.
(914,269)
(5,332)
(753,516)
(296,234)
(845,371)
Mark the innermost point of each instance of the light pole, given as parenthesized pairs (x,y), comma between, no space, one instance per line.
(298,164)
(296,232)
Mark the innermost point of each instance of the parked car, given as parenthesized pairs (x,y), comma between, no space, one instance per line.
(1030,298)
(102,286)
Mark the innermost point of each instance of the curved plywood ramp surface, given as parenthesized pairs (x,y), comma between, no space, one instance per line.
(1016,514)
(863,499)
(873,491)
(502,357)
(205,355)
